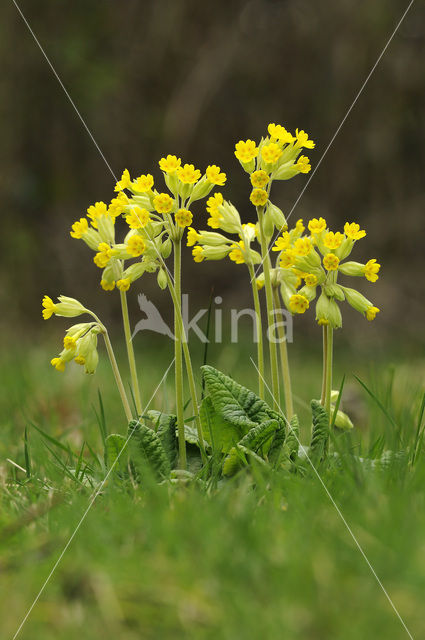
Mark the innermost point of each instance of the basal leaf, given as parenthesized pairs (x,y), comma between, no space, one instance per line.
(252,441)
(147,451)
(114,444)
(164,425)
(320,434)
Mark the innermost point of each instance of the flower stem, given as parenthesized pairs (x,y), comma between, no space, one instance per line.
(130,353)
(178,362)
(270,310)
(325,355)
(284,362)
(117,374)
(259,328)
(329,359)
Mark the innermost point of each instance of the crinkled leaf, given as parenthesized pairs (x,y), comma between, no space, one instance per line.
(164,424)
(219,433)
(320,433)
(146,450)
(238,457)
(252,441)
(114,444)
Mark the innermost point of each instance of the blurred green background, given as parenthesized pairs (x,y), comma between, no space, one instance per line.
(191,78)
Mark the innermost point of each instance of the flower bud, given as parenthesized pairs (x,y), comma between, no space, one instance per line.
(352,268)
(268,224)
(143,200)
(231,221)
(134,271)
(277,217)
(286,171)
(87,349)
(166,247)
(328,312)
(106,228)
(308,292)
(334,291)
(202,188)
(356,299)
(69,307)
(342,420)
(162,279)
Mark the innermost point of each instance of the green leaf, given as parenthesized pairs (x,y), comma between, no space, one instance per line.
(146,450)
(114,445)
(252,441)
(320,434)
(233,402)
(165,426)
(242,456)
(218,433)
(293,438)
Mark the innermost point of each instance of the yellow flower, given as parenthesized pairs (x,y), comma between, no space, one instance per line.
(170,164)
(69,342)
(95,211)
(107,286)
(58,364)
(317,225)
(271,152)
(246,151)
(183,218)
(287,259)
(371,269)
(80,360)
(125,181)
(236,254)
(137,218)
(136,246)
(259,179)
(280,133)
(116,206)
(214,176)
(103,256)
(163,203)
(299,226)
(198,253)
(352,230)
(303,141)
(213,203)
(143,183)
(188,174)
(302,246)
(123,284)
(333,240)
(310,279)
(303,164)
(258,197)
(298,303)
(49,307)
(331,262)
(371,313)
(79,228)
(192,237)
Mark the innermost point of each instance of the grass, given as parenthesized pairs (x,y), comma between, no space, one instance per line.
(262,555)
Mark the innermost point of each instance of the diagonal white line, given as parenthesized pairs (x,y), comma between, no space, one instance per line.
(91,502)
(338,510)
(360,91)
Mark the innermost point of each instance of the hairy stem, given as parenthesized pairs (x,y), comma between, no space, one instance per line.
(325,355)
(329,359)
(284,362)
(259,328)
(117,374)
(178,362)
(130,353)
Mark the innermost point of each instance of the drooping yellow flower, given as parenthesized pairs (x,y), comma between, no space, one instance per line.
(136,246)
(333,240)
(123,284)
(103,256)
(371,313)
(49,307)
(331,262)
(170,164)
(299,226)
(287,259)
(352,230)
(198,253)
(303,141)
(79,228)
(143,183)
(310,279)
(163,203)
(58,364)
(183,218)
(125,181)
(80,360)
(303,164)
(298,303)
(245,151)
(69,342)
(215,176)
(317,225)
(302,246)
(271,152)
(259,179)
(283,242)
(107,286)
(192,237)
(138,218)
(236,253)
(188,174)
(371,270)
(280,133)
(258,197)
(95,211)
(213,203)
(116,206)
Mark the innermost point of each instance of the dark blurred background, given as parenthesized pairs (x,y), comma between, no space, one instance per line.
(191,78)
